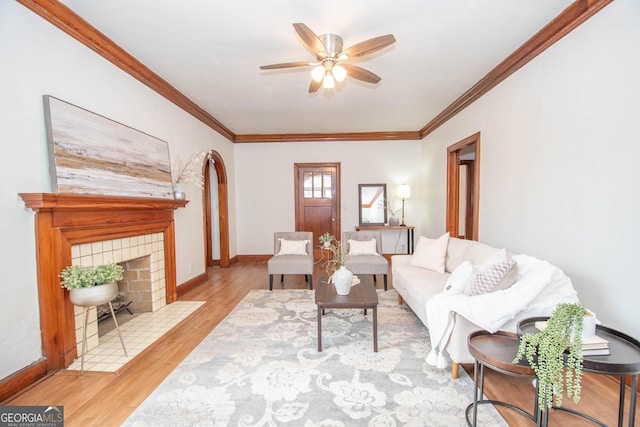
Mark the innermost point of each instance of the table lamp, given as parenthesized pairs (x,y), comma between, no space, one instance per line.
(404,192)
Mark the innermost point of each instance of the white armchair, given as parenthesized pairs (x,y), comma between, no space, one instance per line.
(292,254)
(366,257)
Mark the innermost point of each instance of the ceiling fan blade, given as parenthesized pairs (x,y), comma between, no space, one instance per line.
(310,39)
(287,65)
(361,74)
(314,86)
(369,46)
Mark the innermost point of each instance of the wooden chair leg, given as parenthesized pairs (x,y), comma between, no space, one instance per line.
(374,279)
(271,282)
(385,282)
(282,278)
(400,301)
(310,281)
(455,370)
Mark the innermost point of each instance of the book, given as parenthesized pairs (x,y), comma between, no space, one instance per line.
(596,352)
(592,343)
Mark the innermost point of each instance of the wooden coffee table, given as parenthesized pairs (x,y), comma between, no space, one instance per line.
(362,295)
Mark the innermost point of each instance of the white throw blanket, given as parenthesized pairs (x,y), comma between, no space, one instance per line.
(493,310)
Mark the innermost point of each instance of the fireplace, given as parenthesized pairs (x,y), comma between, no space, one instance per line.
(67,223)
(143,285)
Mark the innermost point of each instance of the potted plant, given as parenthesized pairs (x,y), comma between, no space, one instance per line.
(546,352)
(335,267)
(91,285)
(326,239)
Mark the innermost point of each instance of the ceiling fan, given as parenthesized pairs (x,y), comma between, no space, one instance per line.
(329,66)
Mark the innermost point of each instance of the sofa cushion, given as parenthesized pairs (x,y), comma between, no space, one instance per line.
(417,284)
(459,250)
(431,253)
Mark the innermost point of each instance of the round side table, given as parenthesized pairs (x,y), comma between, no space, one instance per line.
(623,361)
(497,351)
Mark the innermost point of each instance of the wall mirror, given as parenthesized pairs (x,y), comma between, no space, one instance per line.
(372,201)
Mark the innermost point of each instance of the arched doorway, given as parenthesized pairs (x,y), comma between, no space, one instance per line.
(215,171)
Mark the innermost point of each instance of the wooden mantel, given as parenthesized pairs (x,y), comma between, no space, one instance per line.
(63,220)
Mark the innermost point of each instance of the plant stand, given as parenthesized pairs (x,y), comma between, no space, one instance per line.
(90,297)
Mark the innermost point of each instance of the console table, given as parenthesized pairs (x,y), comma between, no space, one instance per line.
(410,230)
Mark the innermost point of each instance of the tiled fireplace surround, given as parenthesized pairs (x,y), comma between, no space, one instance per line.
(145,249)
(90,229)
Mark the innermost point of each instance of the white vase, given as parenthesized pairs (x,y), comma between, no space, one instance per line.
(95,295)
(342,280)
(178,193)
(393,220)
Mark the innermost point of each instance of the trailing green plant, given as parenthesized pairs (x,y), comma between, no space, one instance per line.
(337,258)
(78,276)
(546,351)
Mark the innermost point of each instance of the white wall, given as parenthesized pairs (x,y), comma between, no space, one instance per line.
(265,184)
(560,141)
(39,59)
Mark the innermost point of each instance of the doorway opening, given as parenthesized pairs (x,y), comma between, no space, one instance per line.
(216,212)
(463,188)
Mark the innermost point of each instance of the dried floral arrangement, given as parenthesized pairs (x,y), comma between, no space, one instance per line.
(191,171)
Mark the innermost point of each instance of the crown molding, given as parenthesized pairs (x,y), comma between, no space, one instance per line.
(569,19)
(345,136)
(71,23)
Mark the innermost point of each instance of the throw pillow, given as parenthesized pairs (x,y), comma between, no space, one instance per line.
(509,279)
(431,253)
(490,273)
(362,247)
(293,247)
(457,282)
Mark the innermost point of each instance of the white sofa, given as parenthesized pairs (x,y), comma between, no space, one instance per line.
(538,288)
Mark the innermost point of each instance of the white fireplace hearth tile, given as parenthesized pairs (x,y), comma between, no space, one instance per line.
(138,334)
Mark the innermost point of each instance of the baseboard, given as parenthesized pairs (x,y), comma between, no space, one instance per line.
(191,284)
(253,258)
(20,380)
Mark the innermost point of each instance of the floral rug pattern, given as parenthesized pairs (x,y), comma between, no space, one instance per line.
(260,367)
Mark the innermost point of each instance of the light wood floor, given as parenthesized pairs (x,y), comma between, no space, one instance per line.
(107,399)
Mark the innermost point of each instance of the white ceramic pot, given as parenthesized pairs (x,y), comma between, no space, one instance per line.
(96,295)
(589,325)
(342,280)
(394,221)
(178,192)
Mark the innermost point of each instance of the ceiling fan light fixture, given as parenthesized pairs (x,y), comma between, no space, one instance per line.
(317,73)
(339,73)
(328,82)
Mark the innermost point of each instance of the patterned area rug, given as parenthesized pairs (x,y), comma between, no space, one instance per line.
(260,367)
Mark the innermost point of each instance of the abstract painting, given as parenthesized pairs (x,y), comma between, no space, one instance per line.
(91,154)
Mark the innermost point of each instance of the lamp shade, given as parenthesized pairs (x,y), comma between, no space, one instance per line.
(328,82)
(317,73)
(404,191)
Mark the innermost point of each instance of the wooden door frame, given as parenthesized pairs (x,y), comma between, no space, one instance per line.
(223,210)
(337,196)
(453,184)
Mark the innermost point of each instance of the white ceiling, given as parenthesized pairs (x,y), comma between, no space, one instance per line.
(210,50)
